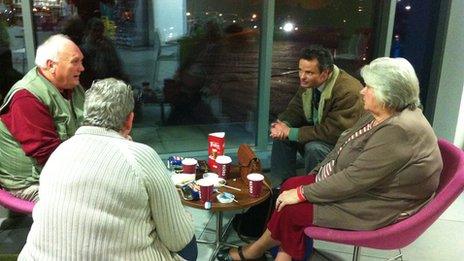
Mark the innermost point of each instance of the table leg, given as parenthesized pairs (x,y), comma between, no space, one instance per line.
(218,235)
(221,236)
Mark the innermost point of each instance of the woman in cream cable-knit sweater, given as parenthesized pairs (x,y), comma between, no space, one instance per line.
(104,197)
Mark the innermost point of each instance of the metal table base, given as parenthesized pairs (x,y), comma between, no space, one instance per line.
(221,236)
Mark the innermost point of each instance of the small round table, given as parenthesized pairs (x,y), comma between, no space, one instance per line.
(244,200)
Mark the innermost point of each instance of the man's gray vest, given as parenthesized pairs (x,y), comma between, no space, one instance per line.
(16,169)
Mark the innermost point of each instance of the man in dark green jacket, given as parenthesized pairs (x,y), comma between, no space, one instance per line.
(327,103)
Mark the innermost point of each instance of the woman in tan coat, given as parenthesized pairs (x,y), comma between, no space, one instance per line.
(382,170)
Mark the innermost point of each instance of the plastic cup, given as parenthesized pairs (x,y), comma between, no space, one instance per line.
(206,190)
(223,166)
(255,184)
(189,165)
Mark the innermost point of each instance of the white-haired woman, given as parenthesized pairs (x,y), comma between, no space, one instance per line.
(382,170)
(104,197)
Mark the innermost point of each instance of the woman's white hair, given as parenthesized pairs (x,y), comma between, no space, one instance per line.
(50,49)
(107,104)
(394,82)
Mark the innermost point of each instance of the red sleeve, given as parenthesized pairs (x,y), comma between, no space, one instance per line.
(31,124)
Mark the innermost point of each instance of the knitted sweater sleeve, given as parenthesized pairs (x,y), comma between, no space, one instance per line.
(174,225)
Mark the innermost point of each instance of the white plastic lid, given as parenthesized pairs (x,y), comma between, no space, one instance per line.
(222,159)
(218,134)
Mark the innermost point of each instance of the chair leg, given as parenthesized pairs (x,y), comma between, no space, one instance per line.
(400,256)
(356,252)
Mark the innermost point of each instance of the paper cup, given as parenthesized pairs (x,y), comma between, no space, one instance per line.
(206,190)
(255,184)
(223,166)
(189,165)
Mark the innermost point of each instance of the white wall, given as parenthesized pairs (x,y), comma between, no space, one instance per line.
(449,110)
(459,136)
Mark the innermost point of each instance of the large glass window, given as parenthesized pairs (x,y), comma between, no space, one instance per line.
(12,50)
(414,35)
(344,27)
(193,64)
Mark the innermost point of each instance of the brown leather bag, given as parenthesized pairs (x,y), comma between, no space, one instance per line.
(248,162)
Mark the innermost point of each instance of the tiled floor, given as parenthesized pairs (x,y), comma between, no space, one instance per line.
(443,241)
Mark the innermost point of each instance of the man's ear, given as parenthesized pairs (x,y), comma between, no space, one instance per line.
(51,66)
(325,73)
(126,129)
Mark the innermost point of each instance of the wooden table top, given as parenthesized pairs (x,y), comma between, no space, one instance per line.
(243,197)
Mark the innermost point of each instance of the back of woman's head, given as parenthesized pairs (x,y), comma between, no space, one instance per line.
(394,82)
(108,103)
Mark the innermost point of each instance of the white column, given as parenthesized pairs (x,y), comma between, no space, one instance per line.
(448,119)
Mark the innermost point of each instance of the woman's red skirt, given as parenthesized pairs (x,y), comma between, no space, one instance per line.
(287,226)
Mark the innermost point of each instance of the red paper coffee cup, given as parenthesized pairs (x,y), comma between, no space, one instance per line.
(255,184)
(206,190)
(189,165)
(223,166)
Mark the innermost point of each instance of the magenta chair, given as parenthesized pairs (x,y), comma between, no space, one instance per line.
(15,204)
(401,234)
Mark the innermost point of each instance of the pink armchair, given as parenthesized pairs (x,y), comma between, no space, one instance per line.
(401,234)
(15,204)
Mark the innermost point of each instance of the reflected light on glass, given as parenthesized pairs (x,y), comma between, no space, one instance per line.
(296,28)
(408,7)
(288,27)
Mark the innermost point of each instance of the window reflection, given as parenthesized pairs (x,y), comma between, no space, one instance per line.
(12,51)
(344,27)
(193,64)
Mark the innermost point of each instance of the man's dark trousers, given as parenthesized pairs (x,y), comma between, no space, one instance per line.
(283,157)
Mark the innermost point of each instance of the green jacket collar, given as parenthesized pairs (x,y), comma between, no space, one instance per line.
(326,94)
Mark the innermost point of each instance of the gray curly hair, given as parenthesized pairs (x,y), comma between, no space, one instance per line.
(394,82)
(107,104)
